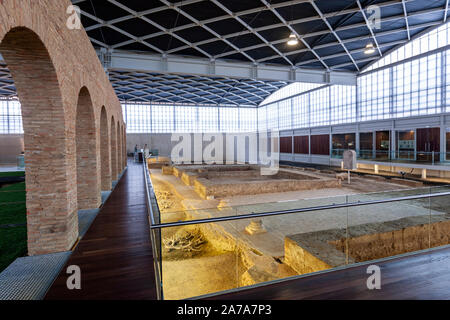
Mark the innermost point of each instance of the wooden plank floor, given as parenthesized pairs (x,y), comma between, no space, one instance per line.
(115,255)
(420,276)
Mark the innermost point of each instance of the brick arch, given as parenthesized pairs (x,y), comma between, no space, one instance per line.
(119,149)
(50,63)
(124,136)
(114,170)
(105,153)
(45,134)
(88,185)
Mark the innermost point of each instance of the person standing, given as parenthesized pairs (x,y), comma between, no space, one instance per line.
(146,151)
(136,155)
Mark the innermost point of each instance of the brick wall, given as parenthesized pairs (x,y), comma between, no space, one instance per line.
(114,170)
(50,64)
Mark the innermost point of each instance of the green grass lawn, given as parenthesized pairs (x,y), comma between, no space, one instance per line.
(13,240)
(12,174)
(12,204)
(13,244)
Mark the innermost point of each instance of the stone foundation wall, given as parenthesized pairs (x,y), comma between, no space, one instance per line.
(395,242)
(205,188)
(212,181)
(301,260)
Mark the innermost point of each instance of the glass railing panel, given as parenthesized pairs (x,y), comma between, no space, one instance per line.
(337,153)
(155,237)
(200,259)
(207,258)
(388,229)
(224,208)
(439,219)
(384,195)
(440,189)
(294,244)
(399,156)
(313,201)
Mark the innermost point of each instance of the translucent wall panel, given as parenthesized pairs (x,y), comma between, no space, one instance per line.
(342,104)
(437,38)
(272,116)
(417,87)
(248,118)
(447,81)
(262,118)
(229,119)
(319,107)
(141,118)
(138,118)
(285,114)
(208,119)
(290,90)
(186,119)
(374,96)
(162,118)
(10,117)
(300,111)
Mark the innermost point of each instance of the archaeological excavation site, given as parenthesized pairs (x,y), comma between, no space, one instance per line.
(201,258)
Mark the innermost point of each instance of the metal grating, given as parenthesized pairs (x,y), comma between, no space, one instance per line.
(29,278)
(85,219)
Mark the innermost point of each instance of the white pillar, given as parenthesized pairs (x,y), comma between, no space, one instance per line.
(424,173)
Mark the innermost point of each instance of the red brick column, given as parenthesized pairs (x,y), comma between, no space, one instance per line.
(105,155)
(124,158)
(114,170)
(124,135)
(88,186)
(119,150)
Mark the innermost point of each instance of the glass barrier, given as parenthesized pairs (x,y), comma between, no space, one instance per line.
(154,217)
(439,220)
(387,229)
(199,259)
(210,250)
(208,258)
(402,156)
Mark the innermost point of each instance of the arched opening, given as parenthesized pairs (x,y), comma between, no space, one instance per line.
(125,157)
(105,158)
(88,188)
(114,171)
(52,220)
(119,150)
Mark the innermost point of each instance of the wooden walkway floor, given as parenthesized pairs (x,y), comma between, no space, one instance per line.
(115,256)
(421,276)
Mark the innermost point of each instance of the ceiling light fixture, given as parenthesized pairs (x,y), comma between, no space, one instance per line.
(369,48)
(293,41)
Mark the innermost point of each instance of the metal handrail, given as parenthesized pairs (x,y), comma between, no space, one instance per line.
(302,210)
(157,259)
(149,193)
